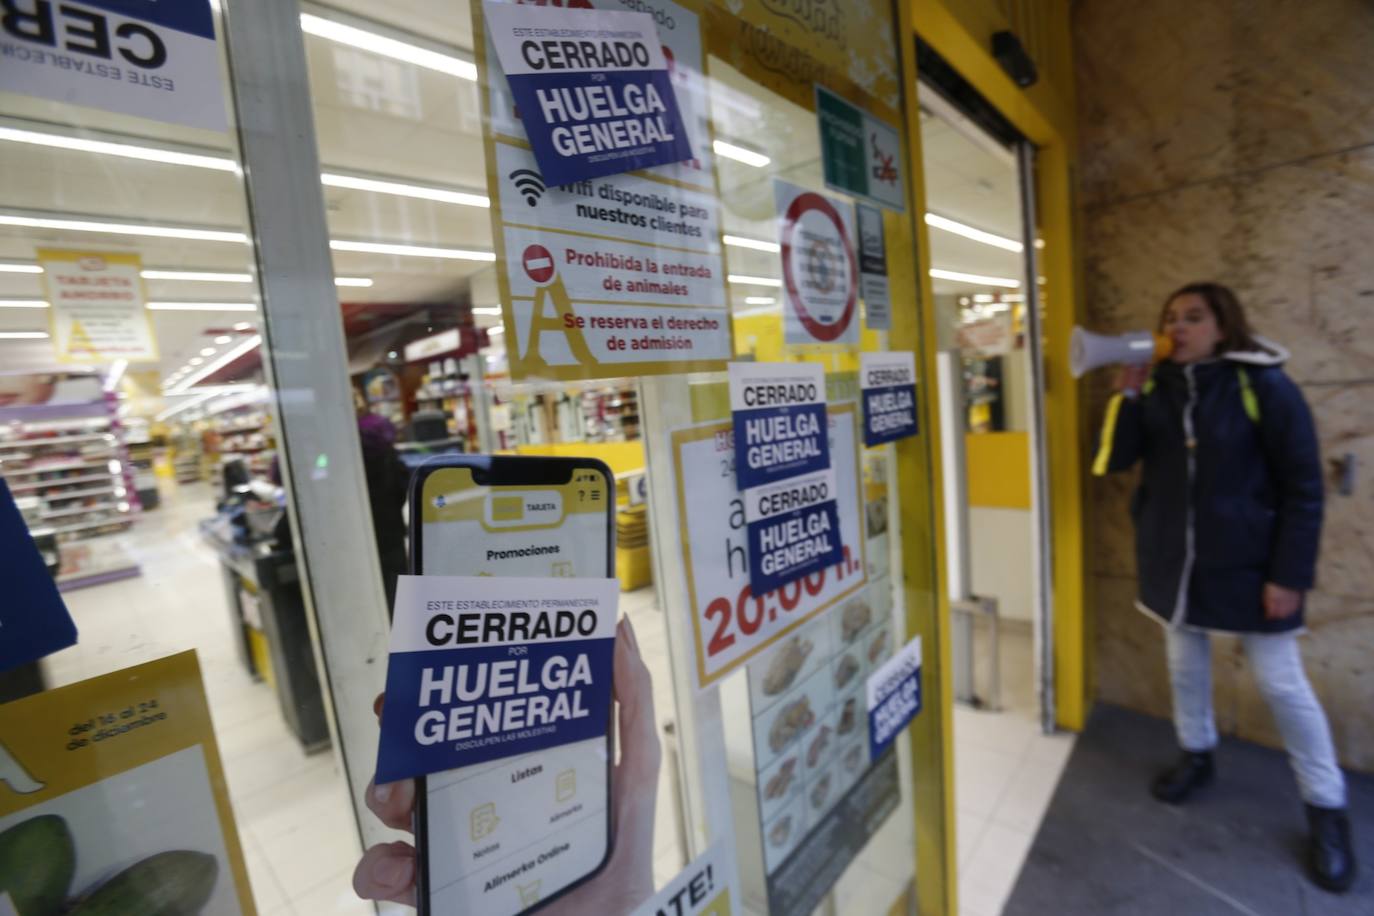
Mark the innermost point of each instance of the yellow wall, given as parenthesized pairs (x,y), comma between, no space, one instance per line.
(998,467)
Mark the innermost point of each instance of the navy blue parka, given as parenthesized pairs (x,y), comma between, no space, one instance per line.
(1230,493)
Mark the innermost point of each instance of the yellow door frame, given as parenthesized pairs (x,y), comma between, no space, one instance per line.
(1045,118)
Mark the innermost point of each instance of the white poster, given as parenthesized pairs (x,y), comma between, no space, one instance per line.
(160,62)
(820,273)
(616,275)
(729,624)
(992,336)
(709,886)
(98,313)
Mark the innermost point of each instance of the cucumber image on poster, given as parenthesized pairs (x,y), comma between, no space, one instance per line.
(177,883)
(37,864)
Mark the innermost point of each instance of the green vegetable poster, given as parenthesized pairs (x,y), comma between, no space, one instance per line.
(113,800)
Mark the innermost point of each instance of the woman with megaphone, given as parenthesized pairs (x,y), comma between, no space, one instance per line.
(1227,515)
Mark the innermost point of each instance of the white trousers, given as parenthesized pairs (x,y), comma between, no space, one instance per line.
(1279,674)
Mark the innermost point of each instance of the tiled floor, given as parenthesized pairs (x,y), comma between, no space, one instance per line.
(1005,772)
(292,811)
(293,816)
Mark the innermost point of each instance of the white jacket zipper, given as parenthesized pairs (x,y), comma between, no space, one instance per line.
(1190,442)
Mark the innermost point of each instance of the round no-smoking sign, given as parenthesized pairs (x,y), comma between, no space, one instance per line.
(818,267)
(538,263)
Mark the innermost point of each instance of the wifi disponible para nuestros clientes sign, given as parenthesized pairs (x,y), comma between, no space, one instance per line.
(592,89)
(484,668)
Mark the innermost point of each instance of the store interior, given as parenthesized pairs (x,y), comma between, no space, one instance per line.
(154,490)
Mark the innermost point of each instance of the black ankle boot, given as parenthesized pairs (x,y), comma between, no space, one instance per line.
(1330,860)
(1192,771)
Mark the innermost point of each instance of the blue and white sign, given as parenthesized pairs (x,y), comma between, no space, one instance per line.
(34,621)
(888,382)
(794,529)
(592,88)
(779,418)
(894,696)
(148,59)
(484,668)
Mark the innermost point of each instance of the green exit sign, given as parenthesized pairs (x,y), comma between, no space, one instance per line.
(861,155)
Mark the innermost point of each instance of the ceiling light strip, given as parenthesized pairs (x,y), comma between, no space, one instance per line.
(202,306)
(186,233)
(974,279)
(755,281)
(402,189)
(332,29)
(206,371)
(123,150)
(936,221)
(740,154)
(740,241)
(196,276)
(411,251)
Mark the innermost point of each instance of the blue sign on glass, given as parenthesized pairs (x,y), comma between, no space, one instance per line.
(894,697)
(485,668)
(793,528)
(33,619)
(888,382)
(781,428)
(592,88)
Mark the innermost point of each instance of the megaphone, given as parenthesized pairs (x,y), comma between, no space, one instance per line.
(1089,351)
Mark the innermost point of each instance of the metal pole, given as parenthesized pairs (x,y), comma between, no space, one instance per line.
(1042,548)
(306,361)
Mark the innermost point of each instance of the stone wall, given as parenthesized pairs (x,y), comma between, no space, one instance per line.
(1234,140)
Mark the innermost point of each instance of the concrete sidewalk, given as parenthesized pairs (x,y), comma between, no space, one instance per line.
(1106,848)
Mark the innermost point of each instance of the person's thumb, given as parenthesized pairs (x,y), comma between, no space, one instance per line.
(634,693)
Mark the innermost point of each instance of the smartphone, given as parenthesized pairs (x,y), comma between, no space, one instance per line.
(512,835)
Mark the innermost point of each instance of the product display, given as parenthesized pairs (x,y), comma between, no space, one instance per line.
(782,670)
(70,475)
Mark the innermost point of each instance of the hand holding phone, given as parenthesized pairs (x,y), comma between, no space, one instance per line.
(387,871)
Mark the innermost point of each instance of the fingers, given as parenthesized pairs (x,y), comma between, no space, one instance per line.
(377,705)
(393,803)
(1280,602)
(387,872)
(1132,378)
(634,694)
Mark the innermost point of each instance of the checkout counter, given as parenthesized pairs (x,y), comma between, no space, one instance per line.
(271,632)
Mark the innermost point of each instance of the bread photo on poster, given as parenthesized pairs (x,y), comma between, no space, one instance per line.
(141,842)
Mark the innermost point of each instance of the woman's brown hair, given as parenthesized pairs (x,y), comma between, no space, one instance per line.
(1236,334)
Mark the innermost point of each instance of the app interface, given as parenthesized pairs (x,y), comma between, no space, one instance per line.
(506,834)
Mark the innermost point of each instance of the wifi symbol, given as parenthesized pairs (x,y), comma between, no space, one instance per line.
(529,183)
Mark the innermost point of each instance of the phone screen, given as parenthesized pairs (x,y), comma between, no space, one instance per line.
(501,837)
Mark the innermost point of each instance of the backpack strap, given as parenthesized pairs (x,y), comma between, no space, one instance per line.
(1247,396)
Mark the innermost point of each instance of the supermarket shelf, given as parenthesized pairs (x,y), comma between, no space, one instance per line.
(30,441)
(60,482)
(84,526)
(79,510)
(99,577)
(74,494)
(90,425)
(64,466)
